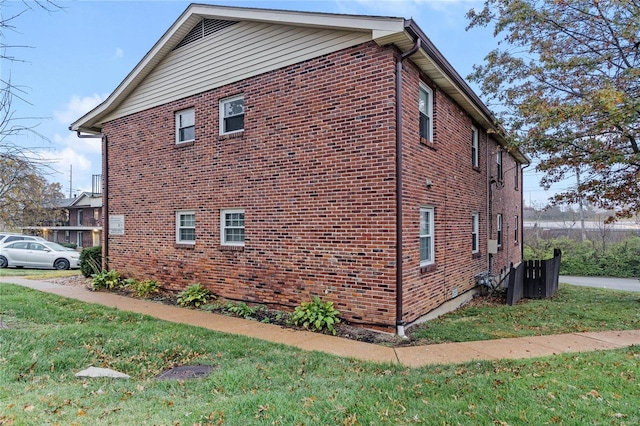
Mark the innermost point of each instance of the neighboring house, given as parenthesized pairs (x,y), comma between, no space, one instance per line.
(82,224)
(278,155)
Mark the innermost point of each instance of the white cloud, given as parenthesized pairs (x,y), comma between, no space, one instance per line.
(62,162)
(89,146)
(77,107)
(119,53)
(66,150)
(415,9)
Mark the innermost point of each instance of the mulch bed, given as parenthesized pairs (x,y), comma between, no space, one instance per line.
(280,318)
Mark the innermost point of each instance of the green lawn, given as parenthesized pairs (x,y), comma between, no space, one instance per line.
(37,273)
(573,309)
(49,339)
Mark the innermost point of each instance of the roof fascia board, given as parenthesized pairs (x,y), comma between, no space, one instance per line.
(297,18)
(77,200)
(62,228)
(437,59)
(80,197)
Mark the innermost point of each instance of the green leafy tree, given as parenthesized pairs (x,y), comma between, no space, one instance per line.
(566,73)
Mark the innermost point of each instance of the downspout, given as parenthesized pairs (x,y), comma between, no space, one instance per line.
(521,224)
(105,193)
(105,204)
(489,202)
(399,271)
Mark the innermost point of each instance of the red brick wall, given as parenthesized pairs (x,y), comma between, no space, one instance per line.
(458,190)
(315,172)
(507,200)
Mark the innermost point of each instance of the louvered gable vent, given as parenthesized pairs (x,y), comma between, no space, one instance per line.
(204,28)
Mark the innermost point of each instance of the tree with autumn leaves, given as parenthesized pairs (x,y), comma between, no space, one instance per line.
(566,76)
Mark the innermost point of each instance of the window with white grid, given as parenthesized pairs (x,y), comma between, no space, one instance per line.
(232,227)
(186,227)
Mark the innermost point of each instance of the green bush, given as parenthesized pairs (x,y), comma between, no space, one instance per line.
(91,261)
(69,245)
(143,288)
(194,296)
(579,259)
(107,279)
(591,259)
(622,259)
(316,316)
(242,310)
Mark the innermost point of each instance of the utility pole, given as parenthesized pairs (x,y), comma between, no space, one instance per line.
(581,206)
(70,181)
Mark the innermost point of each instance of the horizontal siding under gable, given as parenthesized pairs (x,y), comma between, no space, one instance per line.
(241,51)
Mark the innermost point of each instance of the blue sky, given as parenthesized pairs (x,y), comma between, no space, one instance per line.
(76,56)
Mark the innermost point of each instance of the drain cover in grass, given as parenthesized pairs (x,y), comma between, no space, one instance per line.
(186,372)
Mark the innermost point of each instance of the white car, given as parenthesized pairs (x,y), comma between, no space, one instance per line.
(38,254)
(8,238)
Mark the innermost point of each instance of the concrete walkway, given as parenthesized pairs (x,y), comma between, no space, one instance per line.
(625,284)
(412,356)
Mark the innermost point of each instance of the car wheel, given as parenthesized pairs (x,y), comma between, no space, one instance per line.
(3,262)
(61,264)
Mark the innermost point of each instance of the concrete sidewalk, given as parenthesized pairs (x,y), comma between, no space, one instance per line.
(412,356)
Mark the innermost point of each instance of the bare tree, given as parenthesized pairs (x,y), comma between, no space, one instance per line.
(22,171)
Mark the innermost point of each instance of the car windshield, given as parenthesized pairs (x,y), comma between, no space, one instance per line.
(58,247)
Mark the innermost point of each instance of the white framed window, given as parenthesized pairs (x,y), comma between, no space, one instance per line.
(185,126)
(79,238)
(232,227)
(499,166)
(232,115)
(80,217)
(516,227)
(186,227)
(425,107)
(499,229)
(475,236)
(475,157)
(426,236)
(517,176)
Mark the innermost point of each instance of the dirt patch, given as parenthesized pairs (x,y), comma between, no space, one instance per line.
(73,281)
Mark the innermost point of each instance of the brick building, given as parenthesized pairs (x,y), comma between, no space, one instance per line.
(80,223)
(276,155)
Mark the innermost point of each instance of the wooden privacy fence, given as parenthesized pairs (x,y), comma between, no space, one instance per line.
(534,279)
